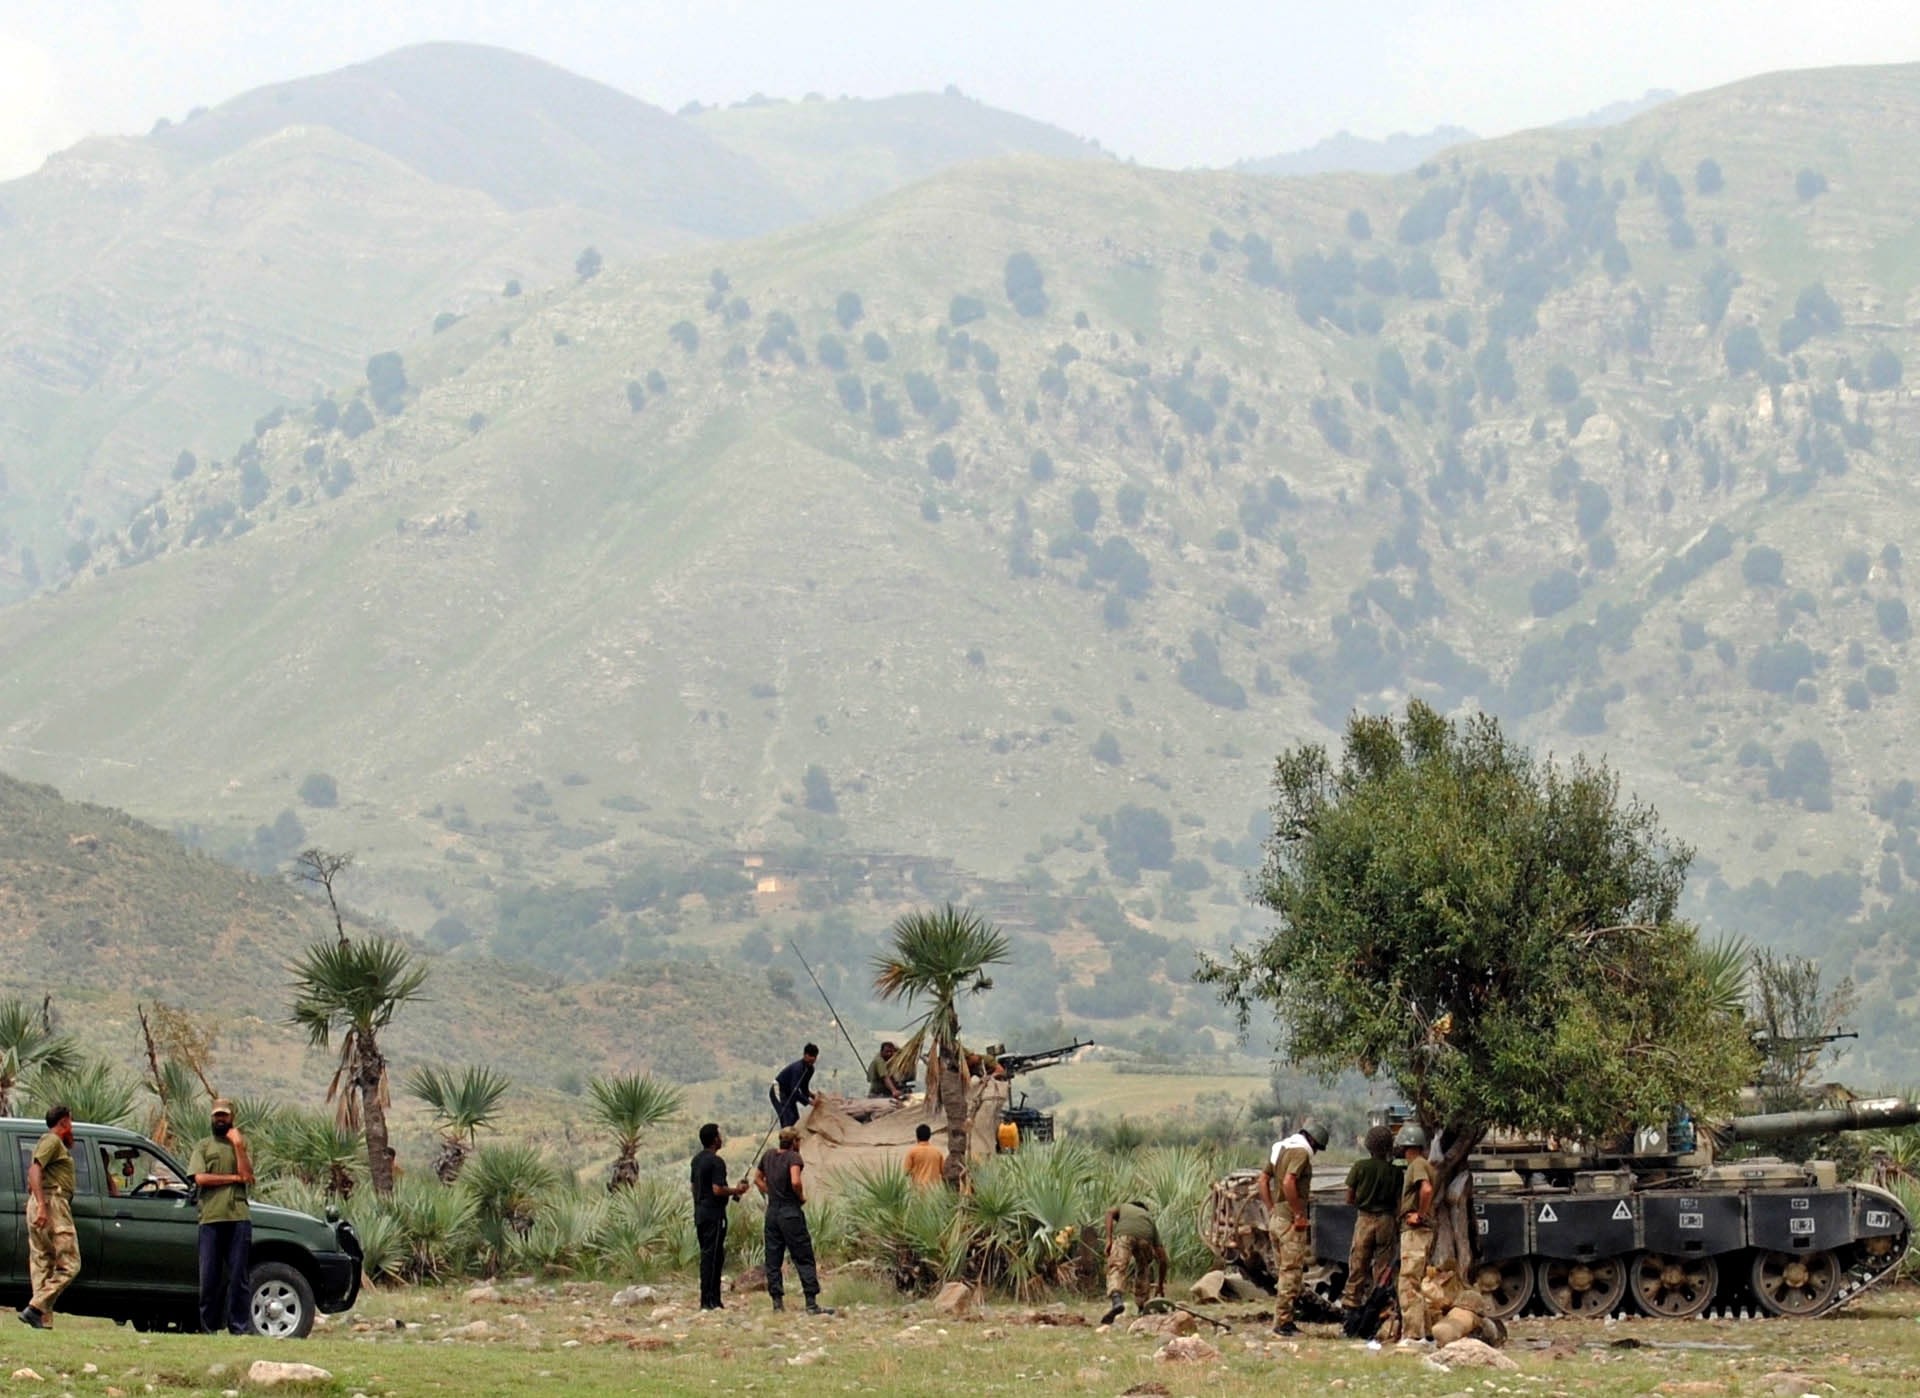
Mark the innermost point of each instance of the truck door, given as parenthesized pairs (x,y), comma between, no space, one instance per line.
(150,1231)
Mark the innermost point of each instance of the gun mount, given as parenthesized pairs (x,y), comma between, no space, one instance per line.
(1654,1222)
(1014,1064)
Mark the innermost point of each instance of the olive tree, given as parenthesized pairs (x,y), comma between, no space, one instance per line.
(1492,934)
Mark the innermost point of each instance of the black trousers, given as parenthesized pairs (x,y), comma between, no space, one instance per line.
(787,1236)
(710,1227)
(224,1302)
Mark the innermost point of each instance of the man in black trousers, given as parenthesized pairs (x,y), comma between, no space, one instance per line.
(778,1177)
(711,1195)
(793,1086)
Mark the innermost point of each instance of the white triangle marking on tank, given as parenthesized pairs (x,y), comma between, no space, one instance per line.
(1547,1215)
(1621,1210)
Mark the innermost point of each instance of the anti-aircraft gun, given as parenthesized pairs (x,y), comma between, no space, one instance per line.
(1030,1123)
(1656,1220)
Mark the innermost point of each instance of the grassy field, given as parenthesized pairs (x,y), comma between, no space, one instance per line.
(573,1339)
(1103,1090)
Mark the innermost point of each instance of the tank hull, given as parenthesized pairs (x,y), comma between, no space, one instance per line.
(1793,1250)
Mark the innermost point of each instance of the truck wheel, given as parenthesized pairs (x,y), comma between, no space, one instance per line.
(282,1302)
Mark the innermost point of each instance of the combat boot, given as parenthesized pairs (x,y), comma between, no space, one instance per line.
(1119,1304)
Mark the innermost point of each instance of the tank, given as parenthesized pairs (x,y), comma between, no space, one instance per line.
(1658,1223)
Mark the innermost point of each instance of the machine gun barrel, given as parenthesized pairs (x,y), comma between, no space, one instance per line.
(1881,1113)
(1017,1063)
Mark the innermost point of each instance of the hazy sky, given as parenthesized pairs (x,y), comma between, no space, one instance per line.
(1170,84)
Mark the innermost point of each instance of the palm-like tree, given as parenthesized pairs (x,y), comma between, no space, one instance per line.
(937,957)
(29,1045)
(627,1105)
(91,1090)
(349,990)
(461,1105)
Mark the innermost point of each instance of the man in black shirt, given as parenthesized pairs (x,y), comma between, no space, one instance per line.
(793,1088)
(711,1195)
(778,1177)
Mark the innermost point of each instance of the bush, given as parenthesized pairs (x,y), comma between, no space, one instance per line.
(1592,507)
(1244,606)
(964,310)
(1106,750)
(1359,226)
(587,264)
(1563,385)
(853,393)
(1884,370)
(1809,184)
(1188,875)
(387,380)
(1426,219)
(886,415)
(831,351)
(636,395)
(1744,351)
(817,790)
(1202,675)
(319,790)
(941,463)
(1882,680)
(1130,503)
(1138,837)
(1804,777)
(875,347)
(1554,593)
(1764,566)
(685,334)
(1086,508)
(1777,668)
(1707,178)
(922,392)
(357,420)
(1040,465)
(1891,614)
(1026,285)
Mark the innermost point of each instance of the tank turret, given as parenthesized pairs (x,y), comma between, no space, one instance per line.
(1652,1221)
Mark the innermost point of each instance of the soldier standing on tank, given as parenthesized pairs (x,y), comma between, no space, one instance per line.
(1373,1188)
(1416,1233)
(1286,1190)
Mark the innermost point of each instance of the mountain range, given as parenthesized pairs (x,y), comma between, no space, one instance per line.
(990,536)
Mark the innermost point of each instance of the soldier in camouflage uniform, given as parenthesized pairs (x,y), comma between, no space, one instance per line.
(1373,1190)
(1133,1246)
(1285,1187)
(1416,1233)
(53,1247)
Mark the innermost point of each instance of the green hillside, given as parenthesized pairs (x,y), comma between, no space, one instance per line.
(835,155)
(99,912)
(1140,477)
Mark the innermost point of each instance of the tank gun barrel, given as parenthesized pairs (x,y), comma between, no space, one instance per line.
(1878,1114)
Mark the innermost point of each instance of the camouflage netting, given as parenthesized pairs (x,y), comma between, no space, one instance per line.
(835,1142)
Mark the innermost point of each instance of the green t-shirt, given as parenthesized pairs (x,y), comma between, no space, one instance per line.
(1419,1172)
(55,1162)
(1298,1162)
(220,1203)
(1375,1185)
(1136,1221)
(878,1072)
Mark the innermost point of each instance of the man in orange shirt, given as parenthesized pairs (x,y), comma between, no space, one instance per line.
(926,1162)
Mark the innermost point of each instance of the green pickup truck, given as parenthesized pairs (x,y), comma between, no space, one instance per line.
(139,1237)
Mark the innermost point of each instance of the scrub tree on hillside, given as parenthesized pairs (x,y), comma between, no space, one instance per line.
(936,958)
(348,990)
(1492,934)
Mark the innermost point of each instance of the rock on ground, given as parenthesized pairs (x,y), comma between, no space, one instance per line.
(1187,1349)
(753,1279)
(1790,1384)
(270,1373)
(1470,1354)
(955,1299)
(1052,1315)
(1168,1323)
(633,1296)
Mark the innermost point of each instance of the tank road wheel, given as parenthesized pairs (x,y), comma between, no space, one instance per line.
(1678,1288)
(1584,1289)
(1787,1283)
(1506,1286)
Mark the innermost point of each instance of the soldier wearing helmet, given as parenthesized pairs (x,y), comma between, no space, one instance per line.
(1416,1232)
(1285,1189)
(1373,1190)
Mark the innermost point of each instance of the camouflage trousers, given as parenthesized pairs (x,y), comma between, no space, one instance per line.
(1416,1246)
(53,1250)
(1292,1250)
(1374,1236)
(1135,1255)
